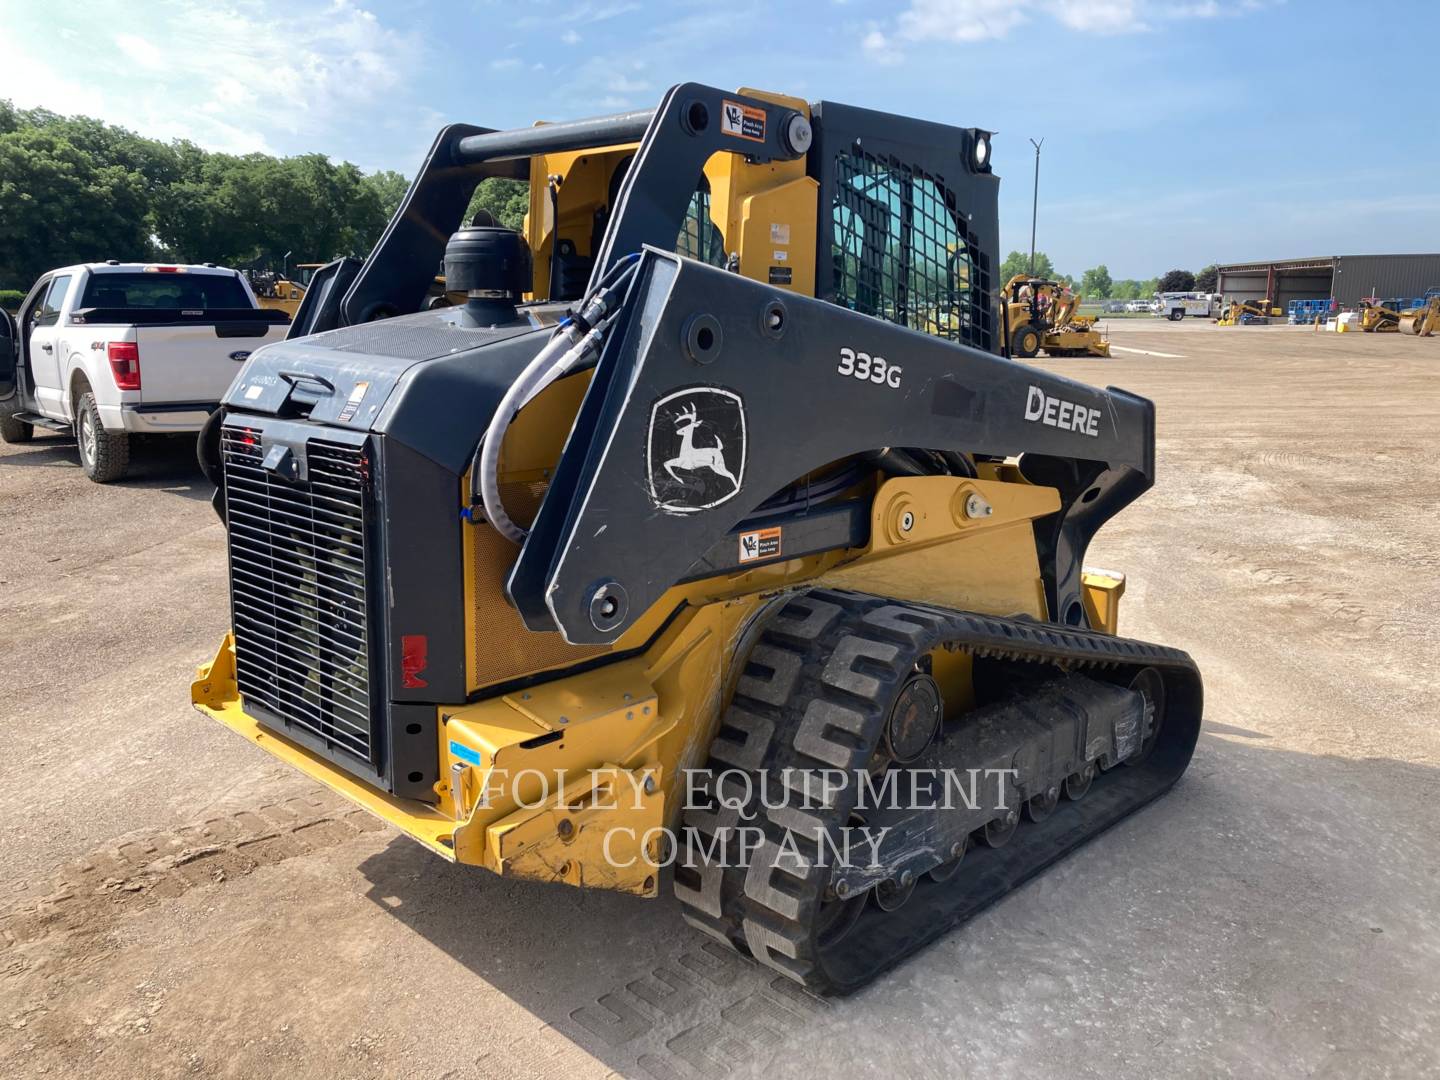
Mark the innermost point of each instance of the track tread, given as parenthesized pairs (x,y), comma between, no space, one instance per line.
(813,696)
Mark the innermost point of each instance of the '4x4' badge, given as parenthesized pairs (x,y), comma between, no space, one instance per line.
(695,457)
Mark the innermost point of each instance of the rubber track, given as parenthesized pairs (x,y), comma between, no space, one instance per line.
(814,695)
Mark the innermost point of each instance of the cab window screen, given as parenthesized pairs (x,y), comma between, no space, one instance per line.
(185,291)
(901,251)
(700,237)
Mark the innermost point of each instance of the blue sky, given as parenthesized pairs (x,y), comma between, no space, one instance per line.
(1176,134)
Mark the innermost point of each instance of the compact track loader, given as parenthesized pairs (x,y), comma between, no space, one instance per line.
(683,543)
(1379,316)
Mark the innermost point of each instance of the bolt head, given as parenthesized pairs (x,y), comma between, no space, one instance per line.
(649,785)
(907,521)
(906,877)
(957,849)
(842,889)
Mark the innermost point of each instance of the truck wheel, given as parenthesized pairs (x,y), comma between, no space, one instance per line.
(1027,341)
(15,431)
(1177,314)
(104,455)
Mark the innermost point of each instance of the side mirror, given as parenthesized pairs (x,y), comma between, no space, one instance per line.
(9,351)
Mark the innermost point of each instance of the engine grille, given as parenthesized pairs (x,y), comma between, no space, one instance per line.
(297,588)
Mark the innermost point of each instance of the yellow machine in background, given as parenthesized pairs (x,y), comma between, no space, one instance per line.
(1422,321)
(1240,313)
(1041,315)
(1376,317)
(275,291)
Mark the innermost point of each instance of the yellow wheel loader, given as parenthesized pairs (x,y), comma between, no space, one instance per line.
(1041,315)
(712,539)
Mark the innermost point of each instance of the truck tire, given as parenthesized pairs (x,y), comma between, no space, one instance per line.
(104,455)
(1177,314)
(14,431)
(1027,341)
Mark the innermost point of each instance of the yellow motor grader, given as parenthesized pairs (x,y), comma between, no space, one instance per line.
(712,538)
(1042,315)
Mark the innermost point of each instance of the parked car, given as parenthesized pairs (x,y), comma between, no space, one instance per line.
(114,349)
(1112,307)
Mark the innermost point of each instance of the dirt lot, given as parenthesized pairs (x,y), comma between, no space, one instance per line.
(171,902)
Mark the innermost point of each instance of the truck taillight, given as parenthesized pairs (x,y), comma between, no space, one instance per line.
(124,364)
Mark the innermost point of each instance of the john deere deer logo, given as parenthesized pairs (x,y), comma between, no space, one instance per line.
(696,453)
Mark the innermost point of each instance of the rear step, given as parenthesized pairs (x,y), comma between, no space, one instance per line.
(816,694)
(36,420)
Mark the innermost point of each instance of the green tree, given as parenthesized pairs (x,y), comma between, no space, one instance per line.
(63,205)
(1018,262)
(75,189)
(1125,289)
(1147,289)
(507,201)
(1208,279)
(1177,281)
(1095,283)
(390,188)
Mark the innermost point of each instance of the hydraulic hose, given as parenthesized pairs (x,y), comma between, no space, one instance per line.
(576,339)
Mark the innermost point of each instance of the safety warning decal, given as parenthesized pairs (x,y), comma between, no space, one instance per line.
(352,403)
(760,544)
(742,121)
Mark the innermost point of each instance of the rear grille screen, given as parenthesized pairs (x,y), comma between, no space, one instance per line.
(297,587)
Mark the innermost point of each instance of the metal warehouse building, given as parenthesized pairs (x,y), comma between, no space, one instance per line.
(1345,277)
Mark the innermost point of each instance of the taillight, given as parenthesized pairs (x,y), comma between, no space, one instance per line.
(124,364)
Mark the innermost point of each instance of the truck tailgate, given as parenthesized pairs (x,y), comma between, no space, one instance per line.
(198,362)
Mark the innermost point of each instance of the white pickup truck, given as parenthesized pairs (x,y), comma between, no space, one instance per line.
(113,349)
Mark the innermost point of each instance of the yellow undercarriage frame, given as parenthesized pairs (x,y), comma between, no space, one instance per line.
(576,779)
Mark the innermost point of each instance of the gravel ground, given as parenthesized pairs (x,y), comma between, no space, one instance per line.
(173,902)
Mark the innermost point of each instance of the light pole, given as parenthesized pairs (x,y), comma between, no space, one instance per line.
(1035,205)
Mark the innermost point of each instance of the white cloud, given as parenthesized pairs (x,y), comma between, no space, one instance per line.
(965,21)
(141,51)
(230,78)
(570,37)
(619,84)
(508,63)
(880,49)
(959,20)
